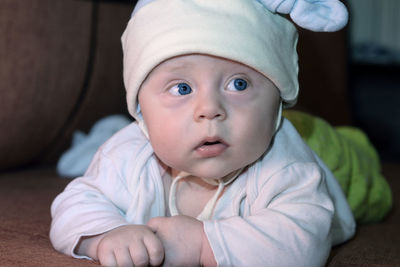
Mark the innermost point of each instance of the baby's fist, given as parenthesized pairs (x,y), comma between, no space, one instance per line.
(182,237)
(130,245)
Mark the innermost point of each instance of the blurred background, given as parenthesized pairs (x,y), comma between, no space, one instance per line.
(374,72)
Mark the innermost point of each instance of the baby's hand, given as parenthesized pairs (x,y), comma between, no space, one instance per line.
(130,245)
(184,240)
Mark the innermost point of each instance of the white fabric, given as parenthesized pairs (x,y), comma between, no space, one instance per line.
(75,161)
(315,15)
(285,210)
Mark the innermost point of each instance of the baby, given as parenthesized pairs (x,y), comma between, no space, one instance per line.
(209,174)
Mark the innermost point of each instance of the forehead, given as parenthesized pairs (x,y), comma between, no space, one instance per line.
(195,62)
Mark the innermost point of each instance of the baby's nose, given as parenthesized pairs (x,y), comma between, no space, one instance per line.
(209,106)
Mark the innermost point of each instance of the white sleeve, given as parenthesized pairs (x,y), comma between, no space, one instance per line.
(90,205)
(287,224)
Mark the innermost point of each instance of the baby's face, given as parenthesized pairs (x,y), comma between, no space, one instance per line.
(208,116)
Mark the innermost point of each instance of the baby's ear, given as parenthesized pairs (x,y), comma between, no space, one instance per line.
(323,15)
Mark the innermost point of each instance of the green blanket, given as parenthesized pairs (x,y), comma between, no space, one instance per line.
(352,159)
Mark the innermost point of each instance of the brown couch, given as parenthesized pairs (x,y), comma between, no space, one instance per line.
(60,70)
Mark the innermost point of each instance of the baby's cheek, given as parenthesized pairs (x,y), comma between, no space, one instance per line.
(165,146)
(261,138)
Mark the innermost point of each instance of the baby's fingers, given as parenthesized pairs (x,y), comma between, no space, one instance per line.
(114,256)
(107,258)
(123,257)
(138,254)
(155,249)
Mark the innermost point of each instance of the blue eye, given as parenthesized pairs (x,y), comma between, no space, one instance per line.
(181,89)
(237,85)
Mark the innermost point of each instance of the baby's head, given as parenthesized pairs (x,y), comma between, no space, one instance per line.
(206,80)
(243,31)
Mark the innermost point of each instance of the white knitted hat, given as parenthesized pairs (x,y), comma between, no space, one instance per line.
(246,31)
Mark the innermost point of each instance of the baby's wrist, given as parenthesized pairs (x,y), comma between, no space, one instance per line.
(207,257)
(87,246)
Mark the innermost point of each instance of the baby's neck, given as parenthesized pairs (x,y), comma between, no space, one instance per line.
(193,194)
(189,195)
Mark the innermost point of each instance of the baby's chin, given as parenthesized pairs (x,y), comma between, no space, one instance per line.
(206,172)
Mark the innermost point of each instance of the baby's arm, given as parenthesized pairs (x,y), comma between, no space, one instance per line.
(184,241)
(93,206)
(130,245)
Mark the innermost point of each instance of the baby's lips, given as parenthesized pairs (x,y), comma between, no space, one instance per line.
(211,147)
(208,141)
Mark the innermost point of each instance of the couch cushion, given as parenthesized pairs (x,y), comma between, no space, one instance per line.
(60,70)
(44,54)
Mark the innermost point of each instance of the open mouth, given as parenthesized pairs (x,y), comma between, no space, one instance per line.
(211,147)
(211,143)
